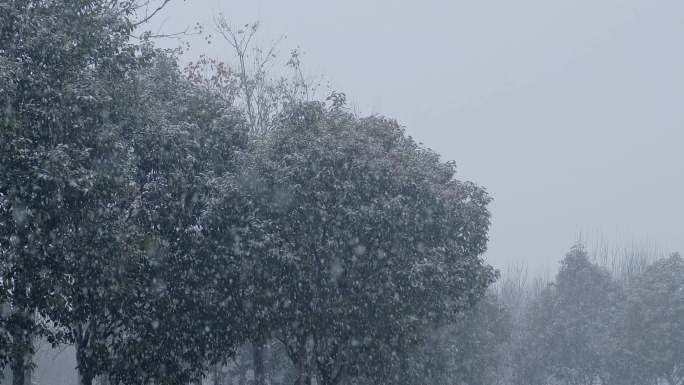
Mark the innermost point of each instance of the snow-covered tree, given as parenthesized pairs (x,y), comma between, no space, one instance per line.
(377,238)
(468,351)
(60,158)
(567,335)
(582,316)
(654,321)
(184,138)
(531,360)
(106,152)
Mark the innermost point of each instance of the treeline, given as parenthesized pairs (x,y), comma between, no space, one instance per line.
(599,321)
(520,332)
(607,317)
(159,219)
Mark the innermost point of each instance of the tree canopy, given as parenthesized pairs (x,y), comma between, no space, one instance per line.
(146,221)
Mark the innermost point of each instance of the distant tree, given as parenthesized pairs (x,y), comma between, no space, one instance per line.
(568,327)
(583,312)
(531,360)
(514,292)
(483,336)
(654,323)
(622,365)
(582,317)
(470,350)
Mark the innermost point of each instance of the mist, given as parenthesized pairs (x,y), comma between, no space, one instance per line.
(567,113)
(341,193)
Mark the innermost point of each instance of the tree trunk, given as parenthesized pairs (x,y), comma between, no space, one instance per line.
(85,375)
(304,366)
(85,378)
(258,359)
(303,374)
(242,372)
(217,374)
(22,355)
(21,371)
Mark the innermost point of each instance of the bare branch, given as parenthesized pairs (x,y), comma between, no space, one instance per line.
(175,35)
(151,15)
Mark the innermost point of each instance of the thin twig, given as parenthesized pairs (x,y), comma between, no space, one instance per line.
(150,16)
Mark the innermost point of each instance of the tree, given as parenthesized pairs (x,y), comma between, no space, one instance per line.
(468,351)
(582,316)
(55,144)
(532,363)
(186,139)
(654,321)
(481,338)
(573,321)
(5,337)
(98,177)
(253,84)
(376,240)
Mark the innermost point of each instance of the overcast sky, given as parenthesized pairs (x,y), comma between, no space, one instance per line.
(570,113)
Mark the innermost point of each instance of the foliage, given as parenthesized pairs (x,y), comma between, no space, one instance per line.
(568,327)
(469,350)
(85,177)
(654,320)
(378,239)
(60,157)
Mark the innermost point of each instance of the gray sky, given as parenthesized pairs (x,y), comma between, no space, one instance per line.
(569,112)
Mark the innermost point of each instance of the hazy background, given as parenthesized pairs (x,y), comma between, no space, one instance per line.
(569,112)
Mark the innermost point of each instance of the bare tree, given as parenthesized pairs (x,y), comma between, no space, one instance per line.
(253,83)
(624,260)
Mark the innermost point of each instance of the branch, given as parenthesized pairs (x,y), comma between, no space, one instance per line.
(174,35)
(150,16)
